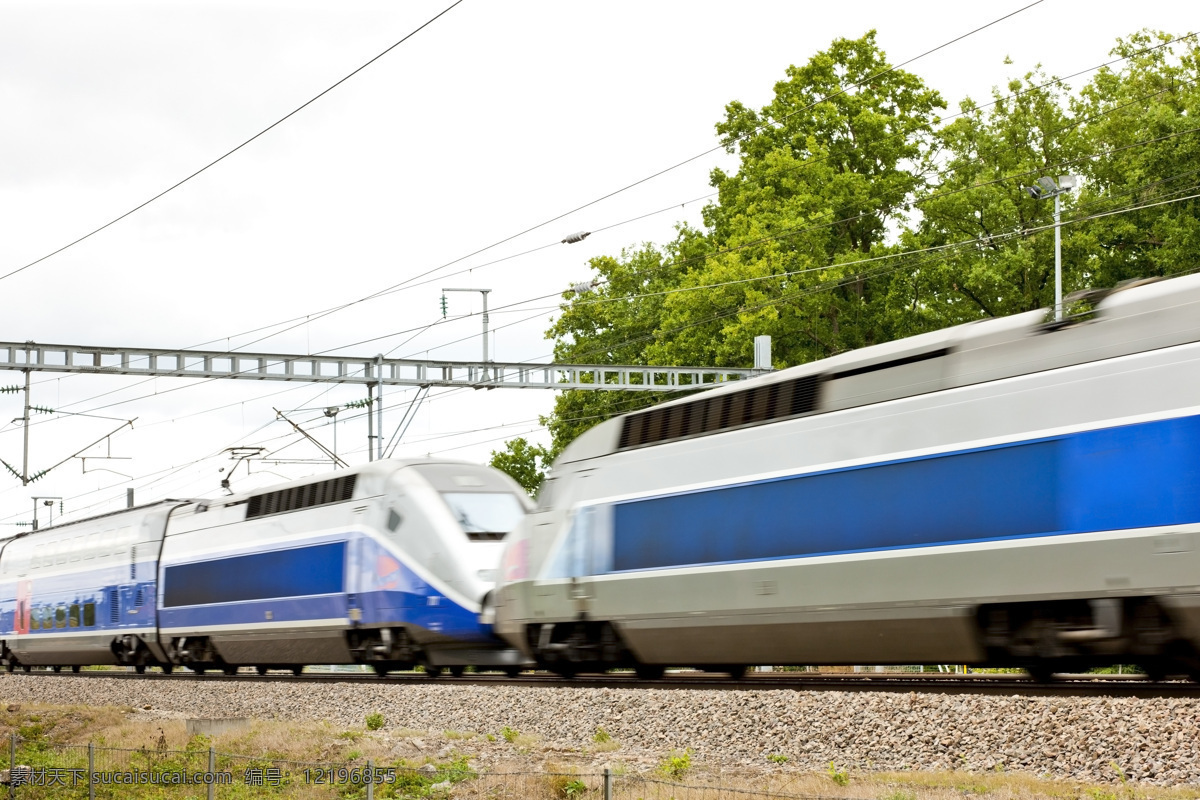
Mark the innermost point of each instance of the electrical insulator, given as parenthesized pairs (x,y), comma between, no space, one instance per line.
(443,306)
(578,236)
(583,287)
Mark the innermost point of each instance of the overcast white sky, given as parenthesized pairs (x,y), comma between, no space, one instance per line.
(495,118)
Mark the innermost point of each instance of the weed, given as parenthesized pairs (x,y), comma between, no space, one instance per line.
(838,776)
(491,738)
(899,794)
(352,736)
(574,788)
(452,735)
(676,764)
(601,736)
(354,755)
(375,721)
(510,734)
(1120,772)
(777,758)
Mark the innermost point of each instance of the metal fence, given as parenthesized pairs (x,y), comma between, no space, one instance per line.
(47,770)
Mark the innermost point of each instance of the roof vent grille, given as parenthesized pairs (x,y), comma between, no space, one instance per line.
(310,495)
(754,406)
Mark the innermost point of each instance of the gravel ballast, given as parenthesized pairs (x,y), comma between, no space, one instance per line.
(1154,740)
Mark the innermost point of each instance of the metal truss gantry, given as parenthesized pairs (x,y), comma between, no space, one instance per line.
(371,371)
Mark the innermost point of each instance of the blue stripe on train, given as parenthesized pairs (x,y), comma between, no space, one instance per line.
(308,583)
(313,570)
(1132,476)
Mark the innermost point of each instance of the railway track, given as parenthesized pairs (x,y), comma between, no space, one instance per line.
(1137,686)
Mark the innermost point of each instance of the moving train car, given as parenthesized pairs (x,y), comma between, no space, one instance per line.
(385,564)
(1008,492)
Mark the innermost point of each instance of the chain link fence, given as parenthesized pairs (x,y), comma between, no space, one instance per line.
(37,768)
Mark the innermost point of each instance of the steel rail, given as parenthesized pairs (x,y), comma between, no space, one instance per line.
(1135,686)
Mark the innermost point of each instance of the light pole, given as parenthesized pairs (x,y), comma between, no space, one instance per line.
(1045,190)
(484,292)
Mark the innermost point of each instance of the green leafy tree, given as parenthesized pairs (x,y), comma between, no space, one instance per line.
(525,463)
(1144,119)
(996,258)
(825,169)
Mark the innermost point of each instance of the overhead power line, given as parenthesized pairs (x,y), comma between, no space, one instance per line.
(221,158)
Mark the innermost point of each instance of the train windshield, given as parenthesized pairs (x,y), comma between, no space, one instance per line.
(489,514)
(481,498)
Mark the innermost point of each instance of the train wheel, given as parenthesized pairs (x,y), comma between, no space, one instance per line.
(168,669)
(140,669)
(433,672)
(57,668)
(297,671)
(229,669)
(10,666)
(737,672)
(75,669)
(457,671)
(649,672)
(27,668)
(1042,673)
(512,672)
(261,669)
(381,669)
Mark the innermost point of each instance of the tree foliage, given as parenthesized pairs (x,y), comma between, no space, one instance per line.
(525,463)
(858,215)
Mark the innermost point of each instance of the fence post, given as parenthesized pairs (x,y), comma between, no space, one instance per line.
(91,770)
(370,779)
(212,770)
(607,783)
(12,765)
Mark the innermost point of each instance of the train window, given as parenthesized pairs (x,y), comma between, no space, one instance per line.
(393,520)
(35,619)
(76,548)
(93,540)
(106,543)
(73,616)
(60,617)
(89,615)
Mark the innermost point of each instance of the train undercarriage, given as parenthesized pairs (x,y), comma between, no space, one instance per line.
(1043,638)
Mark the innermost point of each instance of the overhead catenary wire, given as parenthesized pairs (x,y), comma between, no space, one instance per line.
(701,257)
(227,154)
(556,218)
(409,283)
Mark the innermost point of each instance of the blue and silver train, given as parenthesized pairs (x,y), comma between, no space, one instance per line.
(1010,492)
(385,564)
